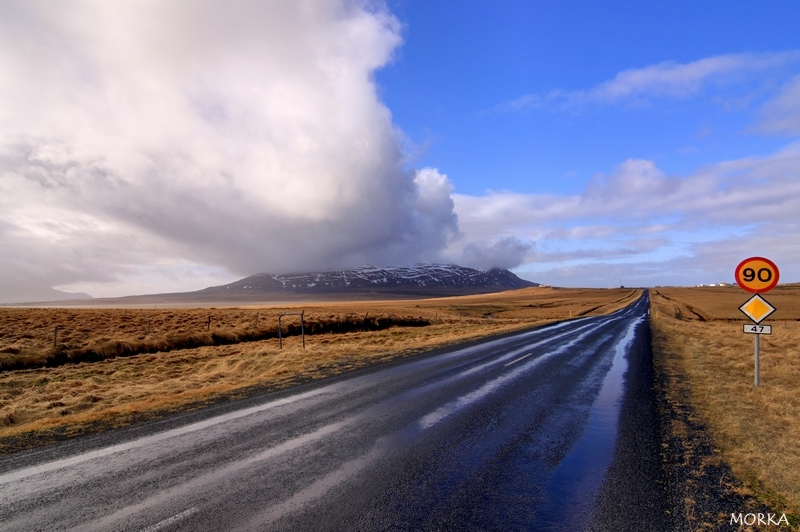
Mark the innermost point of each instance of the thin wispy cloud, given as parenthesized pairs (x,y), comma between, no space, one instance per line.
(782,114)
(667,79)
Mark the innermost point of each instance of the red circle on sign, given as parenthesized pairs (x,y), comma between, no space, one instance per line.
(763,285)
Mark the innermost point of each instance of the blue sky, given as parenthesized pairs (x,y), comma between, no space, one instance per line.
(483,91)
(151,146)
(463,64)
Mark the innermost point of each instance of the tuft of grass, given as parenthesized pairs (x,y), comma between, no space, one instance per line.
(698,336)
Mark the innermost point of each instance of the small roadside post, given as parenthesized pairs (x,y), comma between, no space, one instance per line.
(757,275)
(302,327)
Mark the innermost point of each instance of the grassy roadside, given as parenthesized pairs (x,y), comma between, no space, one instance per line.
(700,347)
(40,405)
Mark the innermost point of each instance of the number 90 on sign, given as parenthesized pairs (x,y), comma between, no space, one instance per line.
(757,275)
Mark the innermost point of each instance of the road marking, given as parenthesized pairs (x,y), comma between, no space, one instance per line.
(537,344)
(149,440)
(316,489)
(161,525)
(519,359)
(454,406)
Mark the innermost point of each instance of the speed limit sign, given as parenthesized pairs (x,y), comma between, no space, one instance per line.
(757,275)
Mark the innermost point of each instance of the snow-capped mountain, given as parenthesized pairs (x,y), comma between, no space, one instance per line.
(421,279)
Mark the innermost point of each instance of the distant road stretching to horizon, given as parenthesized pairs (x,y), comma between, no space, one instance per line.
(521,432)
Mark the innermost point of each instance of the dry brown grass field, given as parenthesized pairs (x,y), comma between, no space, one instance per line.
(146,363)
(700,345)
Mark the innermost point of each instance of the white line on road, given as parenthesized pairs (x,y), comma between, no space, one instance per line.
(549,340)
(519,359)
(161,525)
(148,440)
(465,400)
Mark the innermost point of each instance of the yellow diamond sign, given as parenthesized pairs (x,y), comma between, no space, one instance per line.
(757,308)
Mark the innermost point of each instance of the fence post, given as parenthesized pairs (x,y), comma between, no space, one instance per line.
(55,335)
(208,327)
(302,326)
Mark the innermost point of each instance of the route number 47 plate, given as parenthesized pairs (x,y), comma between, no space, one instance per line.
(758,329)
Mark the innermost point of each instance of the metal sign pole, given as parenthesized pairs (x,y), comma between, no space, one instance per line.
(758,346)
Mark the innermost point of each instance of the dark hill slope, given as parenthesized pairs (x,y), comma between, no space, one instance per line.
(419,280)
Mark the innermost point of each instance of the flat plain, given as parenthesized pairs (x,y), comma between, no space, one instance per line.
(709,361)
(108,367)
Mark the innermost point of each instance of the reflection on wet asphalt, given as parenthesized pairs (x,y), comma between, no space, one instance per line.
(514,433)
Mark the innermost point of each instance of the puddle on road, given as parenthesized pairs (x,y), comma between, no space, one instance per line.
(571,492)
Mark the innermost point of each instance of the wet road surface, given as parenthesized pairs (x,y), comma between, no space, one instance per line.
(515,433)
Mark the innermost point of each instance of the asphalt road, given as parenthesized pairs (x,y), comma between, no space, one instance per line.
(516,433)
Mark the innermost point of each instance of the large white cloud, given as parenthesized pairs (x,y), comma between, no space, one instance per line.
(145,136)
